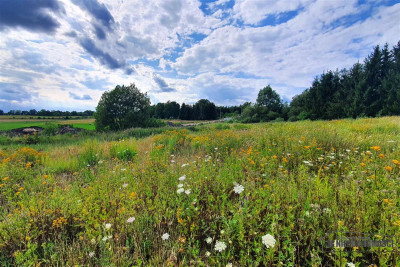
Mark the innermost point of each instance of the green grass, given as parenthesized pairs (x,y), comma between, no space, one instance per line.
(86,126)
(108,199)
(8,123)
(20,124)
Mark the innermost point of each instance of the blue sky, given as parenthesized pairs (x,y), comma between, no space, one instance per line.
(63,54)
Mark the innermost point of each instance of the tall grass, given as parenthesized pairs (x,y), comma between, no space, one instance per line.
(176,199)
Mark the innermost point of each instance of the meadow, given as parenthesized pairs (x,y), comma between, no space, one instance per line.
(8,122)
(215,195)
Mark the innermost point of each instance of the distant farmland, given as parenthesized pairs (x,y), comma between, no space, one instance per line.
(14,122)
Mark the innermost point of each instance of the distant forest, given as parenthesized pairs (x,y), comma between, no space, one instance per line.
(367,89)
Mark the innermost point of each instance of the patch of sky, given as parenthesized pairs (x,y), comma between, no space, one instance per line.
(36,41)
(197,37)
(95,84)
(208,7)
(366,10)
(276,19)
(87,57)
(80,67)
(147,62)
(242,75)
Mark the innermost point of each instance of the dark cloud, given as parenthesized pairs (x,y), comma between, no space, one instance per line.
(97,10)
(76,97)
(71,34)
(104,57)
(162,85)
(172,16)
(30,14)
(12,91)
(99,32)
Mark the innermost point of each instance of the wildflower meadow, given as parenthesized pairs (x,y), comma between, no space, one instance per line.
(224,194)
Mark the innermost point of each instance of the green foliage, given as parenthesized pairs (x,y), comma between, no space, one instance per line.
(91,153)
(370,89)
(124,149)
(122,108)
(302,182)
(270,99)
(204,110)
(50,129)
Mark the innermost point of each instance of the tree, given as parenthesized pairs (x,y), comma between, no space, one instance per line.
(185,112)
(122,108)
(204,110)
(159,111)
(171,110)
(270,99)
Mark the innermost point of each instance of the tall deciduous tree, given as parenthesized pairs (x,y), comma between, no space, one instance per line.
(121,108)
(270,99)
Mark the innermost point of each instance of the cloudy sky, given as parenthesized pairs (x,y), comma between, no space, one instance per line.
(63,54)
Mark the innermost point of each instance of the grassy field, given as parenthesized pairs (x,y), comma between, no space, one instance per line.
(14,122)
(216,195)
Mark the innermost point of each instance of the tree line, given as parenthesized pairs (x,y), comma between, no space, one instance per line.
(367,89)
(203,109)
(49,113)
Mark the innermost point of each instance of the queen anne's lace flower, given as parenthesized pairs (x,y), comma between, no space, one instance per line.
(268,240)
(220,246)
(165,236)
(180,190)
(130,220)
(238,189)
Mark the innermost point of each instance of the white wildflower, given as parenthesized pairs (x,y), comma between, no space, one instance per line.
(123,169)
(165,236)
(184,165)
(93,241)
(220,246)
(350,264)
(182,178)
(229,265)
(172,161)
(326,210)
(187,192)
(124,185)
(238,189)
(106,238)
(180,185)
(180,190)
(268,240)
(91,254)
(208,240)
(107,226)
(208,254)
(130,220)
